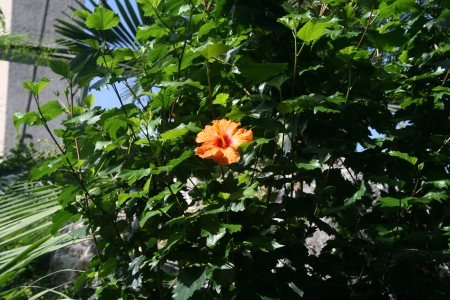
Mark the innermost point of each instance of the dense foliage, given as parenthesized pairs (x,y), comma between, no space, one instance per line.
(309,80)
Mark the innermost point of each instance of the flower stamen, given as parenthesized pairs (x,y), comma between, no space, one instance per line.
(217,129)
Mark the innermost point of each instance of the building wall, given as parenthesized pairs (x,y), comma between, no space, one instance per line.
(33,19)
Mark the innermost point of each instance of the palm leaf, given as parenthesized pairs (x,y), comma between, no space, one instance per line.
(26,210)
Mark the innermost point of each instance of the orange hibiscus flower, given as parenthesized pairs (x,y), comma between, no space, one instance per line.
(221,141)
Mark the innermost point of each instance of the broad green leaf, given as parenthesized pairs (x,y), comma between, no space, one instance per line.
(148,213)
(387,41)
(89,101)
(176,161)
(221,99)
(107,267)
(82,118)
(175,84)
(411,159)
(392,202)
(311,165)
(205,29)
(212,49)
(30,118)
(133,175)
(175,133)
(190,280)
(60,67)
(113,125)
(262,243)
(311,31)
(102,19)
(61,218)
(257,73)
(101,83)
(93,43)
(37,86)
(47,167)
(356,196)
(51,110)
(81,13)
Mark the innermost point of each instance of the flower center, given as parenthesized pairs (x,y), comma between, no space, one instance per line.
(219,131)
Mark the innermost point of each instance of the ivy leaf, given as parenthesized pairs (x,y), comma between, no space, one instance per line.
(311,31)
(190,280)
(102,19)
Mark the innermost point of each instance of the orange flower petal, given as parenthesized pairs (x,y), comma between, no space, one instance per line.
(221,141)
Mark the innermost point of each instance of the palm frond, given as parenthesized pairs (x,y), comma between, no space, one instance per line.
(26,210)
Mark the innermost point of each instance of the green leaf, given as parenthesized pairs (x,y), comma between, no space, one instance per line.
(212,49)
(151,213)
(176,161)
(93,43)
(190,280)
(133,175)
(81,13)
(392,202)
(311,31)
(175,133)
(51,110)
(412,160)
(257,73)
(356,196)
(60,67)
(46,167)
(295,289)
(176,84)
(262,243)
(61,218)
(37,86)
(87,116)
(387,41)
(311,165)
(30,118)
(221,99)
(102,19)
(101,83)
(113,125)
(107,267)
(89,101)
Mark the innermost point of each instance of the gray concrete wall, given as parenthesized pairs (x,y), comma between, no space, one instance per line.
(30,17)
